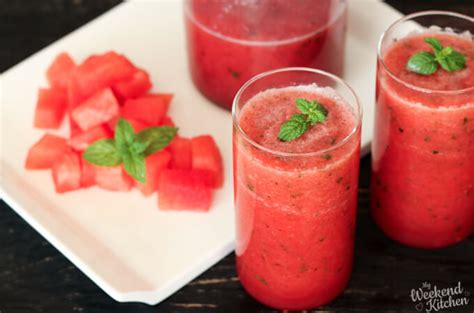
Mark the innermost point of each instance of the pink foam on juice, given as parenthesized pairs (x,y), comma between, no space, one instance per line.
(279,106)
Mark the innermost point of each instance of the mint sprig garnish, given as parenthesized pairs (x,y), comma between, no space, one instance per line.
(423,63)
(129,148)
(155,140)
(315,111)
(312,113)
(103,153)
(427,63)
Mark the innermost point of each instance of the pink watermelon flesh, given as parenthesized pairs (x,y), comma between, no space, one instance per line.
(184,190)
(166,97)
(87,174)
(50,108)
(113,178)
(101,71)
(150,109)
(155,165)
(98,109)
(206,156)
(167,121)
(67,172)
(81,140)
(181,154)
(134,87)
(137,125)
(45,152)
(60,71)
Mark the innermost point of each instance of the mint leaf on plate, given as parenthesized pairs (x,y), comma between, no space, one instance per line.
(103,153)
(124,135)
(134,165)
(156,138)
(129,148)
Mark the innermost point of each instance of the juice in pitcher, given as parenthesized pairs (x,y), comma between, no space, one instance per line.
(229,41)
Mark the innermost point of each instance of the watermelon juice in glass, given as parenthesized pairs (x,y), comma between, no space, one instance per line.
(295,198)
(423,148)
(229,41)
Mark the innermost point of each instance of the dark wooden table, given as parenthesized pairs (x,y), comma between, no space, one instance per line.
(35,277)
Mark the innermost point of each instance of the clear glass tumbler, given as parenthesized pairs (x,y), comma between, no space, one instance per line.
(423,149)
(295,201)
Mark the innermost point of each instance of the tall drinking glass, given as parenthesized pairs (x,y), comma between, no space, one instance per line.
(423,148)
(295,201)
(229,41)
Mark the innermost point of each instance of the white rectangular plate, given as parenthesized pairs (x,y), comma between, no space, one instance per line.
(122,241)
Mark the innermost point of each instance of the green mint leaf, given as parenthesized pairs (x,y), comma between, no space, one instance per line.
(453,62)
(426,63)
(293,128)
(315,111)
(124,135)
(156,138)
(445,52)
(138,148)
(305,106)
(134,165)
(423,63)
(319,115)
(312,112)
(103,153)
(434,43)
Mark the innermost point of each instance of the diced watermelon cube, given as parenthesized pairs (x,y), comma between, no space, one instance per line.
(100,71)
(184,190)
(167,97)
(113,178)
(73,128)
(45,152)
(74,95)
(150,109)
(206,156)
(50,108)
(67,172)
(181,154)
(112,123)
(137,125)
(87,174)
(206,177)
(82,140)
(155,165)
(134,87)
(98,109)
(167,121)
(74,98)
(60,70)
